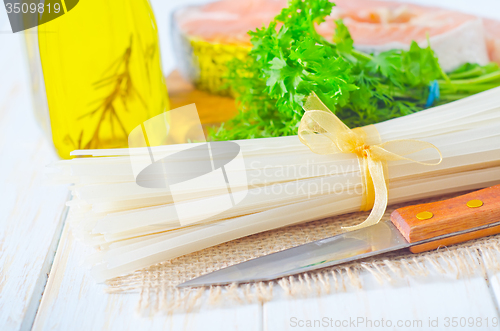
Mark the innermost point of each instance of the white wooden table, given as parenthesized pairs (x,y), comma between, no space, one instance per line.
(44,287)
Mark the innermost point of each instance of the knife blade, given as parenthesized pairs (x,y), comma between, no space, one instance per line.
(420,228)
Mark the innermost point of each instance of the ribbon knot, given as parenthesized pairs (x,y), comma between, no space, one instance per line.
(324,133)
(362,150)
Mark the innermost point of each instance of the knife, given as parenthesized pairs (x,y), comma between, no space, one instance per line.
(418,228)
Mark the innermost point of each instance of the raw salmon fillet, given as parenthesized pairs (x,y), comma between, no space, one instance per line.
(228,21)
(382,22)
(377,26)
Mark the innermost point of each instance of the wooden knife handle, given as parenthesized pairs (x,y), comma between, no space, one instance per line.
(430,220)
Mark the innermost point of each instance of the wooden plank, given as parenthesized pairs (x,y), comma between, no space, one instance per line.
(492,275)
(30,211)
(407,304)
(73,301)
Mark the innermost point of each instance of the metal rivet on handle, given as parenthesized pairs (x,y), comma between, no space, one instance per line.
(474,203)
(425,215)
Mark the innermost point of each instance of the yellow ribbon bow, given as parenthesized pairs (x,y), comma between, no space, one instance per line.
(324,133)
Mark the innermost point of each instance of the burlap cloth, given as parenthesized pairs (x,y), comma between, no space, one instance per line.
(156,284)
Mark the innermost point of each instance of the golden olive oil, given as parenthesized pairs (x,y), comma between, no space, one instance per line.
(102,73)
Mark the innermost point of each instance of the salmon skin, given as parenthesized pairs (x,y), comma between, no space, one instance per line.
(375,26)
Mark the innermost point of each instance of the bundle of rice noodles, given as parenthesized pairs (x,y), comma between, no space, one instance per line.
(207,36)
(136,221)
